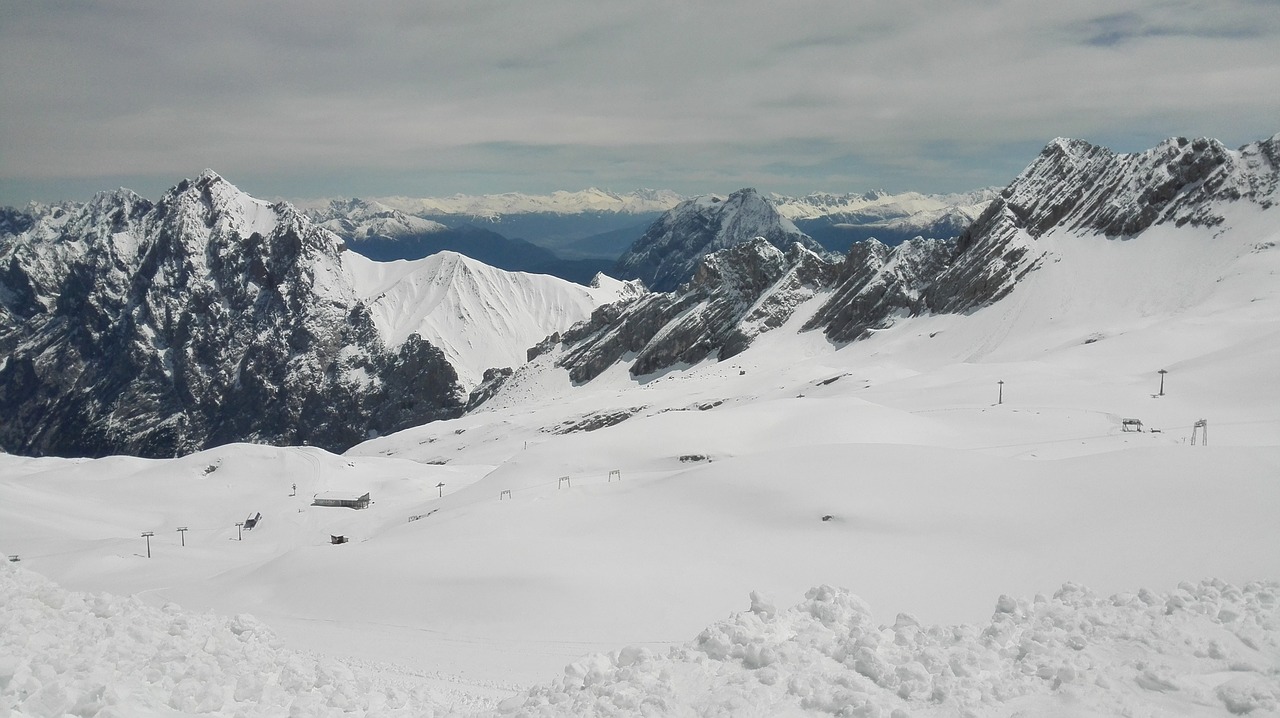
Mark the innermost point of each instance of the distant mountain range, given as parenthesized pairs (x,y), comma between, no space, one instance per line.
(209,316)
(582,232)
(669,253)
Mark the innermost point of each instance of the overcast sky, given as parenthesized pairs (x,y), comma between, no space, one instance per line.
(320,98)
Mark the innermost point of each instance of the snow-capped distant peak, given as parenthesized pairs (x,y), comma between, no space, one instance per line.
(591,200)
(881,205)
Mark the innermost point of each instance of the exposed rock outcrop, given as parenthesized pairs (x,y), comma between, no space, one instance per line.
(207,317)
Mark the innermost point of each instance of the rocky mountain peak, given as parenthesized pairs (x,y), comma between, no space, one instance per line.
(206,317)
(671,249)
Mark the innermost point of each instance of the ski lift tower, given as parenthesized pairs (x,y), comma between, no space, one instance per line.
(1202,427)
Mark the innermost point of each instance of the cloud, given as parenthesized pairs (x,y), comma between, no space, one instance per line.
(821,94)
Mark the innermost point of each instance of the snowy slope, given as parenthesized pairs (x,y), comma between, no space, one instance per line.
(479,316)
(941,500)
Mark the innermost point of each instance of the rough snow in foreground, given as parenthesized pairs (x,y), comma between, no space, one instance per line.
(1206,649)
(93,654)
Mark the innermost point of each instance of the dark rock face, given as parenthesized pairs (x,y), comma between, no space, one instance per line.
(205,318)
(490,383)
(1079,186)
(738,293)
(671,250)
(875,283)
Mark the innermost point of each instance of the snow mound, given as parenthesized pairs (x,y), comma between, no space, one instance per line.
(85,654)
(1203,649)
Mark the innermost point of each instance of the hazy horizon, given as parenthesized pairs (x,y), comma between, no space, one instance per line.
(329,99)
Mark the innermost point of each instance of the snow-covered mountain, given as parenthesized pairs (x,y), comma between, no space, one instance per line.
(627,516)
(670,251)
(479,316)
(210,316)
(357,219)
(838,220)
(1072,188)
(878,205)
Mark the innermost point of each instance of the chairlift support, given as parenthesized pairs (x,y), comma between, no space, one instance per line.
(1202,427)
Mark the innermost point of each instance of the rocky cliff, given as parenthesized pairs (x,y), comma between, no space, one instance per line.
(153,329)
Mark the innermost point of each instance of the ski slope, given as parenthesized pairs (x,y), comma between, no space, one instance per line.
(942,500)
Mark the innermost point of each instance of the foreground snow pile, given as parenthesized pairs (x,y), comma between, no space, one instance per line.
(85,654)
(1206,649)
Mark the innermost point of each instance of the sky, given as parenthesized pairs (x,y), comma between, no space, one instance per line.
(335,98)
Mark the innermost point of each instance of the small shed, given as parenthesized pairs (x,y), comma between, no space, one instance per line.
(342,499)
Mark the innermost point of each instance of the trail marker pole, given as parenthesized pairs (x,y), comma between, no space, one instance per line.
(440,488)
(182,532)
(239,533)
(147,535)
(1000,399)
(1162,372)
(616,473)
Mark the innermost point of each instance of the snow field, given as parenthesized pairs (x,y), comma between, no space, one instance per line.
(83,654)
(1206,649)
(1202,649)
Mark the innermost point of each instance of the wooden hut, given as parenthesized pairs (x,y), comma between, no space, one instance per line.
(342,499)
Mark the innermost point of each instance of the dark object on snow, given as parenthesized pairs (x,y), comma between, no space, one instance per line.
(693,457)
(1131,425)
(15,559)
(1202,427)
(337,539)
(252,521)
(343,499)
(828,517)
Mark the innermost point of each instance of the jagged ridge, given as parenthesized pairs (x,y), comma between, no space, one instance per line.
(1072,186)
(204,318)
